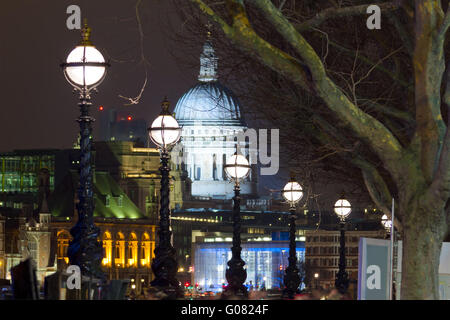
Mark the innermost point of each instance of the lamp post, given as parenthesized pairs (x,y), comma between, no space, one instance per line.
(316,277)
(342,208)
(85,69)
(293,193)
(237,168)
(165,133)
(387,224)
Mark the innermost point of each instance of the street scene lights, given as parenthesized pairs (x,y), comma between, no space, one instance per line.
(165,133)
(237,168)
(387,223)
(342,208)
(85,69)
(293,193)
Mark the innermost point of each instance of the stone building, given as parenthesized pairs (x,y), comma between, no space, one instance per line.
(136,171)
(128,246)
(2,248)
(35,241)
(210,116)
(322,255)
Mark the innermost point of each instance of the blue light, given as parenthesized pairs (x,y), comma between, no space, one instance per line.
(262,260)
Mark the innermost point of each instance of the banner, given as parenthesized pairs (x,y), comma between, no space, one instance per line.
(374,272)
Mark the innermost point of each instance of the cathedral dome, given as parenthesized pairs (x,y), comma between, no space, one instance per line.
(211,103)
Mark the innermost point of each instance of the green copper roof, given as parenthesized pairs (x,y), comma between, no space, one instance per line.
(110,200)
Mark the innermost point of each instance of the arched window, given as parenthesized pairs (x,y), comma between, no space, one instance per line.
(224,161)
(120,250)
(214,168)
(107,249)
(63,238)
(145,250)
(132,250)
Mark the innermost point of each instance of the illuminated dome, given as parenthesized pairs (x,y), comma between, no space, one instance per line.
(210,118)
(209,102)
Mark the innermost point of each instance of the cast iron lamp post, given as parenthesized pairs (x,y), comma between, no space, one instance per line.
(237,168)
(165,133)
(387,223)
(85,69)
(342,208)
(293,193)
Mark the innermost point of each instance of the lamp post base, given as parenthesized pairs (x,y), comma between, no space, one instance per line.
(234,293)
(167,292)
(292,282)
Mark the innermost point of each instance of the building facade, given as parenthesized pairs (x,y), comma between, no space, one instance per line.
(128,247)
(211,118)
(2,248)
(322,255)
(136,171)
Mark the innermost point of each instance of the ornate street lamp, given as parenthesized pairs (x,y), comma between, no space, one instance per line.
(237,168)
(165,133)
(387,223)
(342,208)
(293,193)
(85,69)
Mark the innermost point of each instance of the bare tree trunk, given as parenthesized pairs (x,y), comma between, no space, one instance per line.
(423,234)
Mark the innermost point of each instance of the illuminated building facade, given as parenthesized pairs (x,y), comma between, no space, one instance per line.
(128,246)
(2,248)
(35,241)
(191,224)
(265,262)
(21,174)
(128,233)
(210,117)
(136,171)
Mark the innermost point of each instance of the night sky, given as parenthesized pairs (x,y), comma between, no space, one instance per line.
(38,107)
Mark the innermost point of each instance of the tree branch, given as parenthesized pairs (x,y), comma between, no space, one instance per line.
(445,24)
(366,127)
(429,66)
(403,32)
(367,61)
(441,180)
(377,188)
(241,34)
(339,13)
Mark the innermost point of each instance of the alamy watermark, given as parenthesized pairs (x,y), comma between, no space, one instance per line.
(74,280)
(74,19)
(252,143)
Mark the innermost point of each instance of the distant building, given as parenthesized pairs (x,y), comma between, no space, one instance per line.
(322,255)
(128,234)
(210,117)
(120,125)
(36,242)
(265,261)
(2,248)
(22,173)
(136,171)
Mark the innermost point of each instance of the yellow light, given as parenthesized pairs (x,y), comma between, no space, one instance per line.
(66,259)
(180,269)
